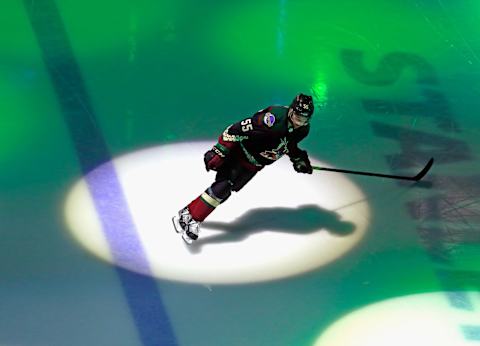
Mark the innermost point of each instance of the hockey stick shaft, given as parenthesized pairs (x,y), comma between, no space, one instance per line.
(417,177)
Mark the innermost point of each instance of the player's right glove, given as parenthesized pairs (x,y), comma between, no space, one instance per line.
(301,163)
(215,157)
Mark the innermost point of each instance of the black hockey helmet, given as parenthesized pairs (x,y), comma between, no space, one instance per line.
(302,105)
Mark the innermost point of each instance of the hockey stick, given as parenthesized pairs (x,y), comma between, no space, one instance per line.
(419,176)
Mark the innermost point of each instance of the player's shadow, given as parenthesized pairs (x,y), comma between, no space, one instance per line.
(302,220)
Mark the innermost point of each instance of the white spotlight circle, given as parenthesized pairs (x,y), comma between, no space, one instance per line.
(420,319)
(281,224)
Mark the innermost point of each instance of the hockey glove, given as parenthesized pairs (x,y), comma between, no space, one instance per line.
(215,157)
(301,164)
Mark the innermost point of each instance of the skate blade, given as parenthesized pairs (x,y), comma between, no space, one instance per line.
(187,239)
(176,224)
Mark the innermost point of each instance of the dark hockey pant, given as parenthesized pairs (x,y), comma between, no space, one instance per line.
(233,175)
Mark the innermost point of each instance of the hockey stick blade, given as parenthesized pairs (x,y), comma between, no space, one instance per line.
(424,171)
(418,177)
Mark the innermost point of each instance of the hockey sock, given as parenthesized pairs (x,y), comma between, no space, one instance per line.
(202,206)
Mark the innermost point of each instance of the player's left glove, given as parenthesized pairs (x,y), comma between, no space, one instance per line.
(215,157)
(301,163)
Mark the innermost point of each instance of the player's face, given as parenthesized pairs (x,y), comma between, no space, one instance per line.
(298,120)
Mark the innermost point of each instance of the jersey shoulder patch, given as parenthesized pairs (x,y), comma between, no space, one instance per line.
(269,119)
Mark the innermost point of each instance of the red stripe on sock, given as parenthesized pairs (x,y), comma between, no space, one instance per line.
(199,209)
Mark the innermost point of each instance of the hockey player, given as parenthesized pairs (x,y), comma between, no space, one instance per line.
(242,150)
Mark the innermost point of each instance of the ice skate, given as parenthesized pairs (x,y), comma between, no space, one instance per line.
(191,233)
(184,224)
(181,220)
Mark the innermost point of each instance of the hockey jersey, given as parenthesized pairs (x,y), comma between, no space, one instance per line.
(266,136)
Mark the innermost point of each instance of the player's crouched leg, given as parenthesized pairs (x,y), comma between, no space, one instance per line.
(203,206)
